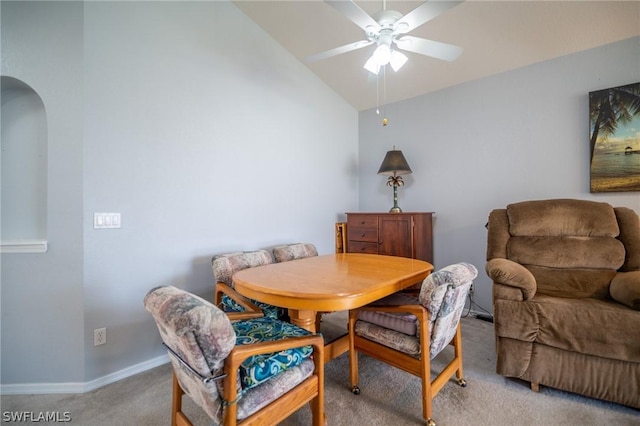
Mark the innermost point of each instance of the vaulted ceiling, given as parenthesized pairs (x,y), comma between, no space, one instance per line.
(497,36)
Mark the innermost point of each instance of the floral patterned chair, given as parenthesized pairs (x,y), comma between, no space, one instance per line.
(400,330)
(256,371)
(288,252)
(229,300)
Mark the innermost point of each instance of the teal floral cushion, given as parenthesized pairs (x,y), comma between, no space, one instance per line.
(273,312)
(259,368)
(225,265)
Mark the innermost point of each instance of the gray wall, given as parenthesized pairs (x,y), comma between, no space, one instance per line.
(478,146)
(200,130)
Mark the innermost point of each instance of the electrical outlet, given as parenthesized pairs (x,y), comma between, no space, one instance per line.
(472,289)
(99,336)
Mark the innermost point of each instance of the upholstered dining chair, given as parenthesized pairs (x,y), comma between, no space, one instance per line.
(288,252)
(229,300)
(255,371)
(408,332)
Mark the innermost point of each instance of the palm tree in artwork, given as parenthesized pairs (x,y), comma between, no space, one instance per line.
(611,107)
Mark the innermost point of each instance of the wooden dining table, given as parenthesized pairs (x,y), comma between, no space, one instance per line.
(329,283)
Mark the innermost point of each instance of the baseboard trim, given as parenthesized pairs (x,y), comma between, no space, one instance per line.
(82,387)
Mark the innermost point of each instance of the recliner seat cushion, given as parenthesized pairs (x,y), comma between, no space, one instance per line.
(588,326)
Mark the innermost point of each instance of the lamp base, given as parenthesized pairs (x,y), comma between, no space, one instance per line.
(395,209)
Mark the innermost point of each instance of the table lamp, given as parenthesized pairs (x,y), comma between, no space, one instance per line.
(393,165)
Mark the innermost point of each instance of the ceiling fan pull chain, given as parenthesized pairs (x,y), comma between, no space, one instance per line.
(385,121)
(377,94)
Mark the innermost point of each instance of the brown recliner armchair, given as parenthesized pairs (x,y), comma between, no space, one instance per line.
(566,296)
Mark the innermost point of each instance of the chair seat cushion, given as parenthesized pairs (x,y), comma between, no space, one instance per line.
(390,338)
(403,322)
(258,397)
(270,311)
(259,368)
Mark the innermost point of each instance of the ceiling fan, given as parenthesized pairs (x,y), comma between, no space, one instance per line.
(387,29)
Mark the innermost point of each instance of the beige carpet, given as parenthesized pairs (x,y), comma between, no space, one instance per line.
(388,397)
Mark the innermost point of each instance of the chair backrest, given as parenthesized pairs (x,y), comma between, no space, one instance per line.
(572,247)
(443,294)
(287,252)
(197,334)
(225,265)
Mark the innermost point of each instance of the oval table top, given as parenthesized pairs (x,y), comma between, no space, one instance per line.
(333,282)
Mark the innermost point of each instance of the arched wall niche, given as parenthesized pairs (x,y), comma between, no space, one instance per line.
(23,169)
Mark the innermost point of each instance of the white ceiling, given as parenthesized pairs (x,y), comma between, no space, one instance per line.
(497,36)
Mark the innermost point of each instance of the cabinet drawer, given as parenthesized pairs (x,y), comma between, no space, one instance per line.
(360,247)
(362,221)
(362,234)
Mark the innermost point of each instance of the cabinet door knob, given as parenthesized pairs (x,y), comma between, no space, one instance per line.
(362,223)
(362,235)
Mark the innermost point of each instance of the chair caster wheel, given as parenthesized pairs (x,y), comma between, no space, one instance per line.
(355,390)
(430,422)
(462,382)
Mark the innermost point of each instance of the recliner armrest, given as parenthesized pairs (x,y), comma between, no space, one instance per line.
(512,274)
(625,289)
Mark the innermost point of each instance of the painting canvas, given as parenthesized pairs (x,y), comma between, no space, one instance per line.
(614,130)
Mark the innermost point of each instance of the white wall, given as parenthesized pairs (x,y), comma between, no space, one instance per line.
(481,145)
(201,131)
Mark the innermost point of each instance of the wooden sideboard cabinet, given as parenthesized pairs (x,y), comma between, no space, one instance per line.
(395,234)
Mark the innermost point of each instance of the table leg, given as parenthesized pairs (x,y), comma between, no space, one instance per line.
(303,318)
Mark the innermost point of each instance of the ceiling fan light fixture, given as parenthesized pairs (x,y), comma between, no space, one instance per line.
(397,60)
(372,66)
(382,54)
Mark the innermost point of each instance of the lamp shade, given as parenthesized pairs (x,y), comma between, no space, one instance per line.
(394,163)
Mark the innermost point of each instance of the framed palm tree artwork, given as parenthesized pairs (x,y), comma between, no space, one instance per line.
(614,131)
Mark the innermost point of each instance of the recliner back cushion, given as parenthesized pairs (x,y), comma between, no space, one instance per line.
(570,246)
(567,252)
(563,217)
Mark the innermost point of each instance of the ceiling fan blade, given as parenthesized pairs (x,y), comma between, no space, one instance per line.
(338,50)
(423,13)
(436,49)
(355,14)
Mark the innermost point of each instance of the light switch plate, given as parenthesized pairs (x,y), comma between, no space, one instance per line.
(106,220)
